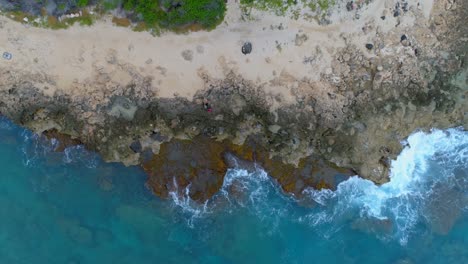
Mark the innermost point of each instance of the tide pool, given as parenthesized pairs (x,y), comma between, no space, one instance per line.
(73,208)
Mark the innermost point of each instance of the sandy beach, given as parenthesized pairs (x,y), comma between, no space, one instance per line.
(74,56)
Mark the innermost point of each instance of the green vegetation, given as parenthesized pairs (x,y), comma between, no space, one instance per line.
(20,16)
(151,15)
(84,20)
(325,4)
(175,14)
(82,3)
(51,21)
(281,7)
(61,6)
(140,27)
(121,22)
(110,4)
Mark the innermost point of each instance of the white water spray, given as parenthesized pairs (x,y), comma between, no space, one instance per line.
(428,160)
(404,199)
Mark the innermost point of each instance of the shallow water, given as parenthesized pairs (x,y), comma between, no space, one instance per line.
(73,208)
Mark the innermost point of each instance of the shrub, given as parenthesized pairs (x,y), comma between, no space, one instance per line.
(82,3)
(178,13)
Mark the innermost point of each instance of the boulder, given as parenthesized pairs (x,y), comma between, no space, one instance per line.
(247,48)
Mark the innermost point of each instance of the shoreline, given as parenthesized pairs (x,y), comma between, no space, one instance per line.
(305,90)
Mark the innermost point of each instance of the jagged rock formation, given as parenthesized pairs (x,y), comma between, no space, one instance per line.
(354,117)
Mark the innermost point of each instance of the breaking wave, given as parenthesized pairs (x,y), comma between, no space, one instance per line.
(429,177)
(36,148)
(428,183)
(428,187)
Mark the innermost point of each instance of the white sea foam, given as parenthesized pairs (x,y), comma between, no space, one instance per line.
(182,200)
(428,183)
(33,148)
(251,182)
(6,124)
(427,160)
(254,192)
(78,154)
(257,193)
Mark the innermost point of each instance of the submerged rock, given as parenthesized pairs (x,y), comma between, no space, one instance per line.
(198,168)
(63,141)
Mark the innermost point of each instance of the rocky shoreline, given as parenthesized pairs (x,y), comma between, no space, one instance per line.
(350,120)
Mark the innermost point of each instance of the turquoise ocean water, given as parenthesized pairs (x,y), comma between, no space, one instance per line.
(73,208)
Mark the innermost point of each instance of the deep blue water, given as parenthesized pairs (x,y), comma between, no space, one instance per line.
(73,208)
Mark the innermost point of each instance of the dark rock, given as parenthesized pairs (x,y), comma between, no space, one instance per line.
(158,137)
(403,37)
(7,56)
(405,7)
(172,169)
(385,162)
(369,46)
(247,48)
(210,131)
(350,6)
(416,52)
(136,146)
(396,13)
(147,155)
(201,164)
(382,17)
(63,141)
